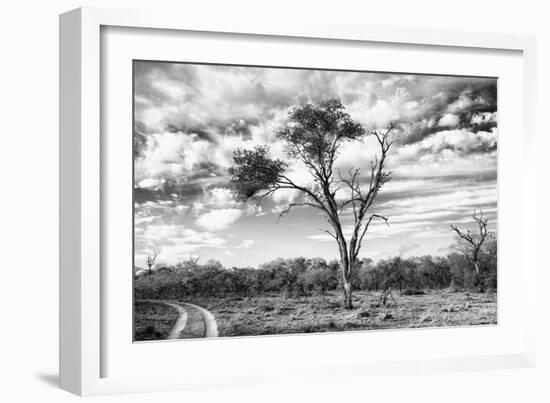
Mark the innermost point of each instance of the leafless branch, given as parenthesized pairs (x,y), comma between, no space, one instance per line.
(151,258)
(360,242)
(292,205)
(328,232)
(474,242)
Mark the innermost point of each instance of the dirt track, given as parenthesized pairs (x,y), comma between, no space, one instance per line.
(210,325)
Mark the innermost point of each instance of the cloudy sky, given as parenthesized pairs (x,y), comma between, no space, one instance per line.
(190,118)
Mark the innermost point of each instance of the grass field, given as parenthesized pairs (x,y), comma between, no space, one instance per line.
(278,315)
(153,321)
(275,314)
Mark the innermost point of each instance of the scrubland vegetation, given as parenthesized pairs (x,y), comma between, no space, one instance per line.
(301,277)
(304,295)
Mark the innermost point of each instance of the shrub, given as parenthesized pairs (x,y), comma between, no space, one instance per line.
(413,292)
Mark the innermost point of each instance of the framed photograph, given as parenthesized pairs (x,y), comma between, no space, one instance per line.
(241,201)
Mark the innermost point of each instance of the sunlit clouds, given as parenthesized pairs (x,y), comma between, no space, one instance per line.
(189,119)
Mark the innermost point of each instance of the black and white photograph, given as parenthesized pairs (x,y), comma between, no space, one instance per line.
(253,202)
(270,200)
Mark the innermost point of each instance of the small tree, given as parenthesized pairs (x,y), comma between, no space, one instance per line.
(470,244)
(392,273)
(313,137)
(151,259)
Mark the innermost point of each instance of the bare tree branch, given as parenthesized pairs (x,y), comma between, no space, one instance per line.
(151,258)
(365,229)
(292,205)
(474,242)
(328,232)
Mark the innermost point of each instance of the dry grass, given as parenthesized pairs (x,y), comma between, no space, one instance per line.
(153,321)
(278,315)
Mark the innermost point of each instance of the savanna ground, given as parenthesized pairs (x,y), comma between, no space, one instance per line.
(153,321)
(275,314)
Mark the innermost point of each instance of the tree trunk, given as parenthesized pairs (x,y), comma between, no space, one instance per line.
(347,295)
(479,278)
(346,277)
(346,263)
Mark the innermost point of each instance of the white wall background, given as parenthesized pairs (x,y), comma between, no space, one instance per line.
(29,201)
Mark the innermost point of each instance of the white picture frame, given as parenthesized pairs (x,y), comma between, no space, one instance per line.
(82,187)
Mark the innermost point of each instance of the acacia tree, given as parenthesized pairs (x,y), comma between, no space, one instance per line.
(313,136)
(472,243)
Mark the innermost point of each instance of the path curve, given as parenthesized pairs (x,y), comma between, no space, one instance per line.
(180,322)
(210,325)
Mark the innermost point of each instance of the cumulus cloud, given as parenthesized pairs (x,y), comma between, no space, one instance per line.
(220,197)
(189,120)
(458,140)
(449,120)
(462,103)
(217,220)
(181,234)
(484,117)
(151,183)
(169,155)
(247,243)
(449,201)
(173,241)
(456,151)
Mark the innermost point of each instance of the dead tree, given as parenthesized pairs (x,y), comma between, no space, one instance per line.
(393,277)
(386,292)
(151,258)
(472,243)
